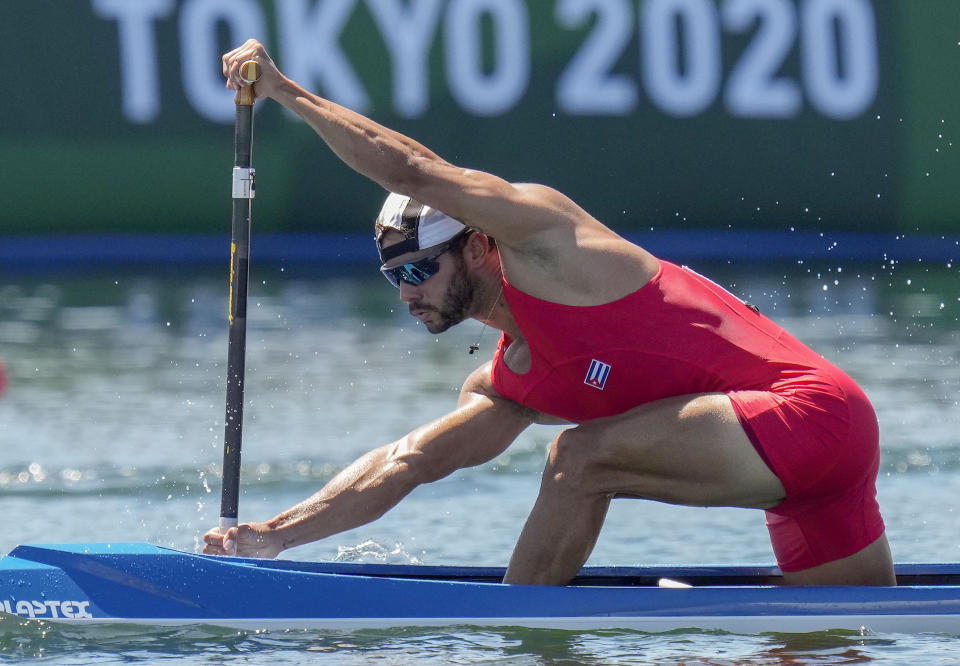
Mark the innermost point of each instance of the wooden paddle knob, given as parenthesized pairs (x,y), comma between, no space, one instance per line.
(250,72)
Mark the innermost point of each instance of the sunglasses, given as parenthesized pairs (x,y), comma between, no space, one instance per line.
(415,272)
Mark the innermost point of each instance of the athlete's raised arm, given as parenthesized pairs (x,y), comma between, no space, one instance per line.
(515,214)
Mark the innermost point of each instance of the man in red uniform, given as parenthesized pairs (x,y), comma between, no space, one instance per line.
(676,391)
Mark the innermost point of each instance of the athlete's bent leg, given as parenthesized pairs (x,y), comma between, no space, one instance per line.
(684,450)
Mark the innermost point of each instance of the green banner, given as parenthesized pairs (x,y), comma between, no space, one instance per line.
(774,114)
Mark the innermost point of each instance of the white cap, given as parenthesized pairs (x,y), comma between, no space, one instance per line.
(421,225)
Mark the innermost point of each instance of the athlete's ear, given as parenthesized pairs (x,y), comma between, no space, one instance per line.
(478,248)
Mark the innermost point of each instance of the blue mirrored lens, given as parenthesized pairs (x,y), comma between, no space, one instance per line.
(413,273)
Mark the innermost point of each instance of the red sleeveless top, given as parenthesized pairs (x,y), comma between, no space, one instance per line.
(678,334)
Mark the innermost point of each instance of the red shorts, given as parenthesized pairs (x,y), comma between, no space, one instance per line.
(819,435)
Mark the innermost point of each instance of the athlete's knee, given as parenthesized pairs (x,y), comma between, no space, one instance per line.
(570,461)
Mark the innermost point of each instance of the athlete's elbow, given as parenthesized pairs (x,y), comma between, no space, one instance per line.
(417,467)
(414,174)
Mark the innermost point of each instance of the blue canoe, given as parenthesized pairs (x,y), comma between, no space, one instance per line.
(145,584)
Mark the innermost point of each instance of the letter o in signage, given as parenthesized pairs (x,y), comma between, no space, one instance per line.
(487,93)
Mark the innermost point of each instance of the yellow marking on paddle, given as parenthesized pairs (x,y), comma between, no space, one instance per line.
(233,252)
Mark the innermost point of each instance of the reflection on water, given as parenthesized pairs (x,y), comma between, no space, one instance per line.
(23,640)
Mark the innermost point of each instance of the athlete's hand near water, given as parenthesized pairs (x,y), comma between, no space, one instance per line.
(246,540)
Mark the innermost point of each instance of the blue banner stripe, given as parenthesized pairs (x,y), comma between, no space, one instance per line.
(33,252)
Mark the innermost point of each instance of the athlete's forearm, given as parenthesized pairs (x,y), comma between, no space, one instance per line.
(477,431)
(391,159)
(359,494)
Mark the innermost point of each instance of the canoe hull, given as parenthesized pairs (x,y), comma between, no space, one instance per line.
(145,584)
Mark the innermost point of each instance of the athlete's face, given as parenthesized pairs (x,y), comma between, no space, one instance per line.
(443,299)
(440,311)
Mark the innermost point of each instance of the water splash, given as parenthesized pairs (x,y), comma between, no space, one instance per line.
(371,552)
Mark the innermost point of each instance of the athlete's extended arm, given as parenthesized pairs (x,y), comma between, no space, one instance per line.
(480,428)
(510,213)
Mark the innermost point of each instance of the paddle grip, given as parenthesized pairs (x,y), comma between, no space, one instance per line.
(250,74)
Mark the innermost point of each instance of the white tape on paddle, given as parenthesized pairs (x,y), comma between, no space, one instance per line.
(244,186)
(225,524)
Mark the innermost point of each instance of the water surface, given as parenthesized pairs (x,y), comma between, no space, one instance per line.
(111,429)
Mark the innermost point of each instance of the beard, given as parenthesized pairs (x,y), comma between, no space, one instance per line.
(457,302)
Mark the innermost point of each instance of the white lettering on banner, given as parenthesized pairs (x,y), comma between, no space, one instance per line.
(200,59)
(481,93)
(678,65)
(140,96)
(408,28)
(686,91)
(310,49)
(754,89)
(836,93)
(586,85)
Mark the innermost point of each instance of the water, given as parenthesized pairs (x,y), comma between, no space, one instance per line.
(112,427)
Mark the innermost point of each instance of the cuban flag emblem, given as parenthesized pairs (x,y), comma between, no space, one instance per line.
(597,374)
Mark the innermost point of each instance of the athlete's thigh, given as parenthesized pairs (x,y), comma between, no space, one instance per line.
(683,450)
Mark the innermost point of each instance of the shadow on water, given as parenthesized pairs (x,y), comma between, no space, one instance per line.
(833,647)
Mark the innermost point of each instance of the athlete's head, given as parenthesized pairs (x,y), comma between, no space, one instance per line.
(417,243)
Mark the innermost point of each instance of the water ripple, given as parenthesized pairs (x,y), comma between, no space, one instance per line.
(22,640)
(36,481)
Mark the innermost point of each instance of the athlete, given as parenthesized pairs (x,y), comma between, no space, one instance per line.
(674,389)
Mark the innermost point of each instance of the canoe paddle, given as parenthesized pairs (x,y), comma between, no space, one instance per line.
(243,193)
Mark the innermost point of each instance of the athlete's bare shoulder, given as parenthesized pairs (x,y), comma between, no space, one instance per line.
(584,269)
(479,383)
(479,386)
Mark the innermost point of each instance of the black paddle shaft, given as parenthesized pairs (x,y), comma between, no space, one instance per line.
(243,193)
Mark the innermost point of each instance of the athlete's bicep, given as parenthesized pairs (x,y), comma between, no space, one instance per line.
(478,382)
(481,427)
(496,420)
